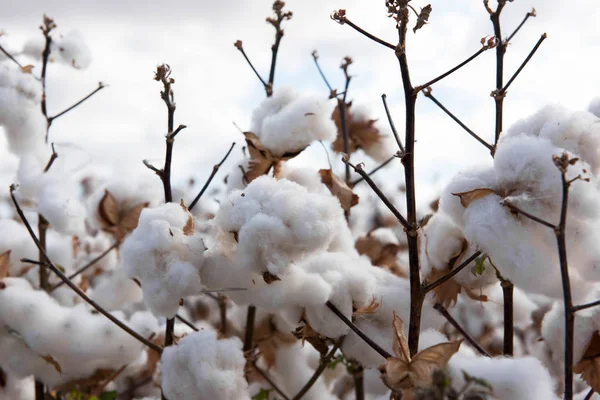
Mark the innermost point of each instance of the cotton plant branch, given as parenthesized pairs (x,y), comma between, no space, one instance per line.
(380,166)
(392,125)
(249,331)
(442,310)
(531,13)
(47,27)
(339,16)
(524,63)
(586,306)
(210,178)
(428,287)
(60,114)
(427,93)
(73,286)
(323,364)
(359,383)
(269,380)
(11,57)
(240,46)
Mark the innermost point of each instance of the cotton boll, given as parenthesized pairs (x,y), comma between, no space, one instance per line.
(80,342)
(61,207)
(72,50)
(277,222)
(286,122)
(443,241)
(114,289)
(511,378)
(309,178)
(533,124)
(20,115)
(165,257)
(201,364)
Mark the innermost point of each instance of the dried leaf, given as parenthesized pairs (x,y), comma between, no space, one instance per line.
(27,69)
(403,372)
(129,221)
(50,360)
(339,189)
(4,264)
(589,366)
(446,293)
(423,17)
(370,308)
(381,255)
(270,278)
(188,229)
(94,381)
(467,198)
(307,333)
(361,134)
(108,209)
(261,159)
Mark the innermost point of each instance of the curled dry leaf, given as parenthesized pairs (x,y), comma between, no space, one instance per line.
(381,255)
(361,134)
(339,189)
(423,17)
(589,366)
(50,360)
(188,229)
(404,372)
(118,219)
(27,69)
(261,158)
(305,332)
(370,308)
(4,264)
(467,198)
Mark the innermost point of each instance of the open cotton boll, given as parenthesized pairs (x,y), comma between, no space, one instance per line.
(114,289)
(532,125)
(166,255)
(553,332)
(80,342)
(201,365)
(60,205)
(20,115)
(278,222)
(286,122)
(443,240)
(511,378)
(72,50)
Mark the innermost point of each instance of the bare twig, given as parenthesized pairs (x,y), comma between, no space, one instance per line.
(249,332)
(277,22)
(270,381)
(442,310)
(10,57)
(380,166)
(359,169)
(430,286)
(459,66)
(518,71)
(322,366)
(339,16)
(186,322)
(222,301)
(87,266)
(73,286)
(316,58)
(517,210)
(509,326)
(427,93)
(359,383)
(100,87)
(239,45)
(53,158)
(210,178)
(500,51)
(46,28)
(585,306)
(392,126)
(589,394)
(343,120)
(531,13)
(360,333)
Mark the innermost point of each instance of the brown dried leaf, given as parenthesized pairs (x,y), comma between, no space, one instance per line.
(108,210)
(261,158)
(129,221)
(589,366)
(4,264)
(339,189)
(403,372)
(50,360)
(423,17)
(361,134)
(188,229)
(370,308)
(27,69)
(447,292)
(270,278)
(467,198)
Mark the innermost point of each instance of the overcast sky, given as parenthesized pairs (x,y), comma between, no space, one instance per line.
(126,122)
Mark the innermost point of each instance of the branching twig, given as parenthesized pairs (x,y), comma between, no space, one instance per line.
(87,266)
(517,210)
(531,13)
(359,169)
(427,93)
(239,45)
(322,366)
(585,306)
(360,333)
(430,286)
(442,310)
(10,57)
(100,87)
(518,71)
(53,158)
(339,16)
(392,126)
(280,16)
(210,178)
(73,286)
(383,164)
(316,58)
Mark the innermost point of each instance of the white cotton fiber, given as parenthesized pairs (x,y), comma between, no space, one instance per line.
(166,259)
(287,122)
(72,50)
(200,366)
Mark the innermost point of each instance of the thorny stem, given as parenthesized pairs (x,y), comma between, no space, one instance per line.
(430,286)
(531,13)
(392,126)
(380,166)
(210,178)
(357,330)
(60,114)
(73,286)
(442,310)
(87,266)
(359,169)
(518,71)
(269,380)
(322,366)
(427,93)
(459,66)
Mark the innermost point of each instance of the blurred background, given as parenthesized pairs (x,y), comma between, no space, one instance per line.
(214,86)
